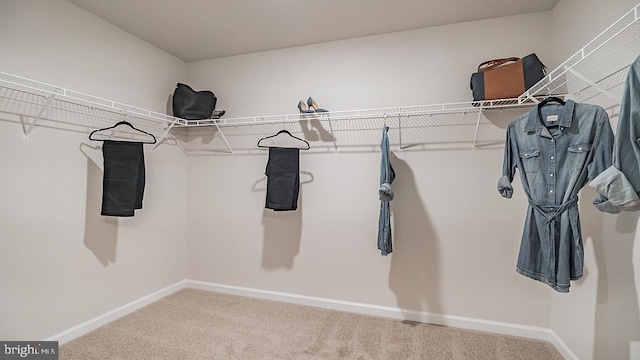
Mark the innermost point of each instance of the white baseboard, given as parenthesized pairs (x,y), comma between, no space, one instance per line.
(562,347)
(497,327)
(112,315)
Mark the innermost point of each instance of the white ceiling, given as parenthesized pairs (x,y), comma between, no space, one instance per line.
(194,30)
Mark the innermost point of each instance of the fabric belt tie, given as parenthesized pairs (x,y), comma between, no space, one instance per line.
(558,209)
(385,192)
(551,222)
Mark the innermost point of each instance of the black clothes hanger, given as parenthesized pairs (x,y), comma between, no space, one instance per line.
(550,99)
(547,101)
(127,124)
(282,132)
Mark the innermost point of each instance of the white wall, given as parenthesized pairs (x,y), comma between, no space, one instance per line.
(456,239)
(62,263)
(600,318)
(425,66)
(576,22)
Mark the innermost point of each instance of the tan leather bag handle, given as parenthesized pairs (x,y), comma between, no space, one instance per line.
(490,64)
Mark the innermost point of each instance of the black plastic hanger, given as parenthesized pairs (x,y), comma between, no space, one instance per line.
(545,102)
(123,123)
(550,99)
(282,132)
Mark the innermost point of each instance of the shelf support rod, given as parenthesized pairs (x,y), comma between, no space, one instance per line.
(594,85)
(475,137)
(333,137)
(530,96)
(400,130)
(223,137)
(162,138)
(39,116)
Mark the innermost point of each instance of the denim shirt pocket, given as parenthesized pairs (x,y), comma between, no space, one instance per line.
(576,156)
(530,160)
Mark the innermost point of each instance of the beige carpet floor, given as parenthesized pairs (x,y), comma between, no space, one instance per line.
(194,324)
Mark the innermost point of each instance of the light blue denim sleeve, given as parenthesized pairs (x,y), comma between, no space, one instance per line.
(627,147)
(603,149)
(620,183)
(508,166)
(602,160)
(613,184)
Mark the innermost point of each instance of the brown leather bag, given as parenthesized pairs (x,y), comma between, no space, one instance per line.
(506,78)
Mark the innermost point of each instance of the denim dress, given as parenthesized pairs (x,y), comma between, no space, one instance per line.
(557,149)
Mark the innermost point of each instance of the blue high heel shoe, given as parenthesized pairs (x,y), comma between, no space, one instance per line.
(303,108)
(312,104)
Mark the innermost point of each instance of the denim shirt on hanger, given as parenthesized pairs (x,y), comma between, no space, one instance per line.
(557,149)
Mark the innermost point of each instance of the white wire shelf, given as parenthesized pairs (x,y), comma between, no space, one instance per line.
(34,102)
(458,125)
(596,73)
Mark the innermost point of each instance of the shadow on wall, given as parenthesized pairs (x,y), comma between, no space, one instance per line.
(414,275)
(185,135)
(282,231)
(502,118)
(100,232)
(170,105)
(617,317)
(314,131)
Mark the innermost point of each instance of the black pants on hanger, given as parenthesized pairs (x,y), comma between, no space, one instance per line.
(283,179)
(124,178)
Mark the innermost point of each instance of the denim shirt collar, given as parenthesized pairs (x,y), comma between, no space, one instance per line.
(534,123)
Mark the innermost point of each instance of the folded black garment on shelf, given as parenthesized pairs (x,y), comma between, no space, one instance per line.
(123,179)
(193,105)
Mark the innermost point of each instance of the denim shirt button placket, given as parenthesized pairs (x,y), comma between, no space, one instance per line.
(552,167)
(552,186)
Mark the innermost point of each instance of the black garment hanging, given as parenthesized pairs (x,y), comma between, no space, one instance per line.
(283,172)
(283,179)
(123,179)
(124,174)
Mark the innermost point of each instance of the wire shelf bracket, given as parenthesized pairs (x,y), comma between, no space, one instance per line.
(38,117)
(333,137)
(475,137)
(224,138)
(595,86)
